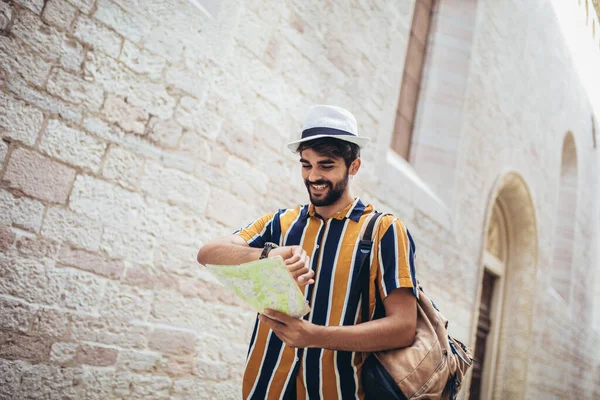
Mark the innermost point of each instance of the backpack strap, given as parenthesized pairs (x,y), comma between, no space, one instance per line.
(360,289)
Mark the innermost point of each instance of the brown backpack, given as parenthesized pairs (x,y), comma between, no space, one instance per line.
(432,367)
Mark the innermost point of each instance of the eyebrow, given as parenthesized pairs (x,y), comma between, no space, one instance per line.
(322,162)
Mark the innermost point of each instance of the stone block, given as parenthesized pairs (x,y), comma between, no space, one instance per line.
(131,119)
(49,322)
(105,202)
(153,97)
(72,146)
(42,381)
(92,262)
(193,115)
(15,315)
(228,209)
(142,387)
(210,370)
(177,365)
(17,346)
(98,36)
(164,133)
(171,308)
(19,121)
(125,303)
(17,58)
(64,225)
(107,72)
(128,25)
(237,142)
(63,353)
(246,181)
(85,6)
(28,279)
(175,187)
(172,341)
(48,103)
(120,242)
(38,176)
(208,291)
(123,167)
(194,389)
(175,258)
(22,212)
(7,238)
(37,246)
(97,356)
(189,81)
(59,13)
(160,41)
(81,291)
(3,151)
(34,5)
(51,44)
(138,361)
(114,332)
(199,147)
(10,378)
(142,61)
(139,90)
(73,89)
(149,278)
(6,13)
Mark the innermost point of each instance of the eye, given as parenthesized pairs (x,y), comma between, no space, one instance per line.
(327,167)
(305,166)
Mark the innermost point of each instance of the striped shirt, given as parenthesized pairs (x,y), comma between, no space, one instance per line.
(333,247)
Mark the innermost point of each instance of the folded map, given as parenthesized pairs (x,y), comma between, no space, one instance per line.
(265,283)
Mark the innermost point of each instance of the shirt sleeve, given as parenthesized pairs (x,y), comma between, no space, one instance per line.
(396,258)
(258,232)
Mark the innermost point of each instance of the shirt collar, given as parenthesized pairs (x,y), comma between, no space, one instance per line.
(353,211)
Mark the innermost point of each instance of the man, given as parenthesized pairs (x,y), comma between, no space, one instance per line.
(320,356)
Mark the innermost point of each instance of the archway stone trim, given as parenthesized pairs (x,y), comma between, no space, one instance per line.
(516,321)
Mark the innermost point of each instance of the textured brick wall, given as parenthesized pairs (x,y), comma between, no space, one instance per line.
(134,131)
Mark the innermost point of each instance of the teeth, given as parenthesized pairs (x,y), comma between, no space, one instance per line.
(319,186)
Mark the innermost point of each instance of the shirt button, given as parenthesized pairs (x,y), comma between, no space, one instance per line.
(317,246)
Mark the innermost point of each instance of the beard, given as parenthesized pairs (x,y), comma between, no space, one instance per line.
(334,192)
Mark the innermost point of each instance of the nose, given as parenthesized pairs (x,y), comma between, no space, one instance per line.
(314,175)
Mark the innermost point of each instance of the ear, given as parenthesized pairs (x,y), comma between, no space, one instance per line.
(354,167)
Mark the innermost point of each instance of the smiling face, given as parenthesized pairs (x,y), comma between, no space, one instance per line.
(325,177)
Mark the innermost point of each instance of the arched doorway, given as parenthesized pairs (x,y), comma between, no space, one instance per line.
(506,297)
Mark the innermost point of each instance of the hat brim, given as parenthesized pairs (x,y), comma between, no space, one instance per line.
(360,141)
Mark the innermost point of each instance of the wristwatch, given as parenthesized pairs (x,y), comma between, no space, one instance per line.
(267,249)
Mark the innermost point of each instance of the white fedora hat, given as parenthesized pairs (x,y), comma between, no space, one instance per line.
(329,121)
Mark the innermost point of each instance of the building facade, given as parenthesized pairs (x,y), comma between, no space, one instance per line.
(135,131)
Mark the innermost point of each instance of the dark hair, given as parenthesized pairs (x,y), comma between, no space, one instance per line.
(331,147)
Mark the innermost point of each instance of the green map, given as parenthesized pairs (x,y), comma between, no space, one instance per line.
(264,284)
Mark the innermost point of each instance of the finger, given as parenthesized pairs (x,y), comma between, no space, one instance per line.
(293,259)
(299,251)
(297,268)
(277,316)
(308,275)
(307,279)
(300,273)
(271,323)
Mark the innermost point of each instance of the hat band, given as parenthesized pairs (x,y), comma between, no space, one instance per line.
(325,131)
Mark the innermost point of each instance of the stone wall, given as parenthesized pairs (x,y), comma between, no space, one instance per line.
(135,131)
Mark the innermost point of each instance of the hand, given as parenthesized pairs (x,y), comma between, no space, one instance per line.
(294,332)
(297,262)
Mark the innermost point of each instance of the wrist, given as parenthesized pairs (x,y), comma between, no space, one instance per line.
(320,336)
(267,249)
